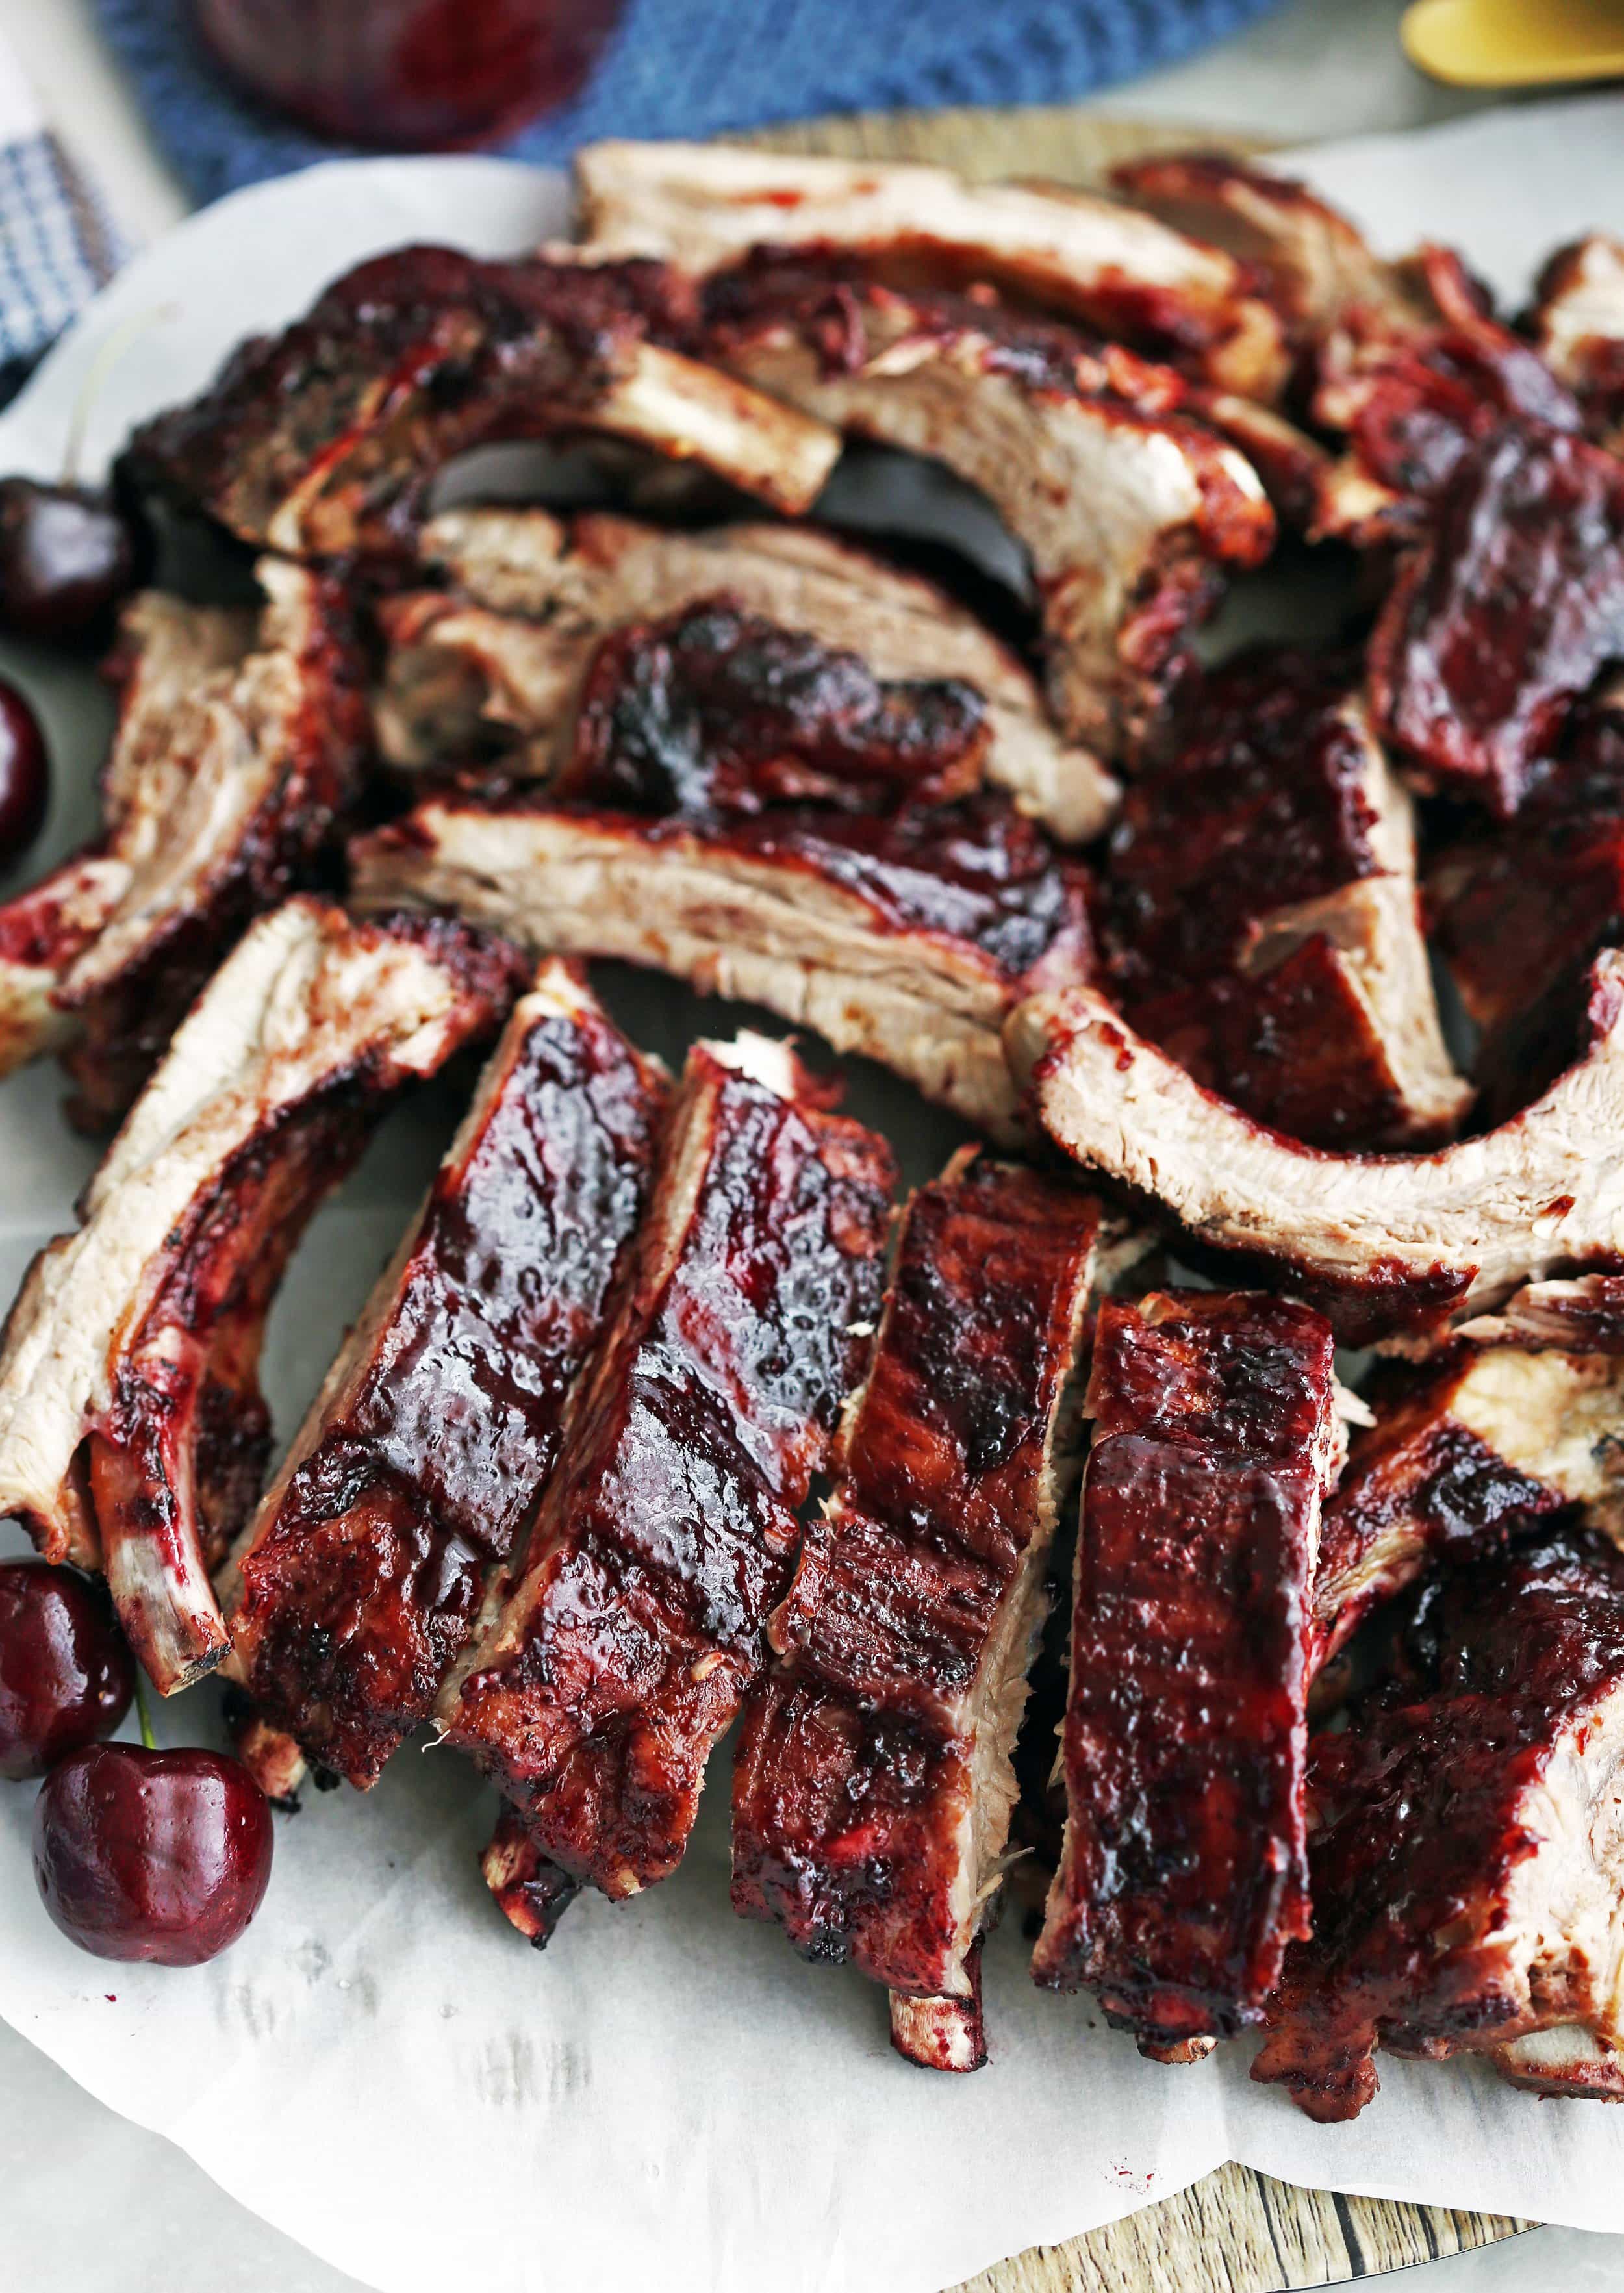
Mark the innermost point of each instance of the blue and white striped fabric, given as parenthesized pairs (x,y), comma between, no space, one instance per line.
(57,243)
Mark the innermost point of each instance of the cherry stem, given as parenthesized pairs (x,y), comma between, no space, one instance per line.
(141,1713)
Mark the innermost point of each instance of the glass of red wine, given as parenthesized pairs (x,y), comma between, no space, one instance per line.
(422,75)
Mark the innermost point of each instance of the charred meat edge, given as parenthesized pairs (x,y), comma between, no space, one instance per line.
(502,656)
(961,1475)
(345,1634)
(600,1738)
(701,205)
(925,1004)
(1221,1410)
(1393,1249)
(264,1101)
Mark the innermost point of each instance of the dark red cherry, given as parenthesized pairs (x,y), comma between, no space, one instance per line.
(163,1856)
(66,1677)
(66,558)
(25,774)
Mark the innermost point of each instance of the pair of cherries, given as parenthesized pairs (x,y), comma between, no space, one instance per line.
(139,1854)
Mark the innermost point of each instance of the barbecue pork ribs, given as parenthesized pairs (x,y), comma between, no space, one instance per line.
(133,1435)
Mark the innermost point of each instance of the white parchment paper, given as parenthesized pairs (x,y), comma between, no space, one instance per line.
(669,2096)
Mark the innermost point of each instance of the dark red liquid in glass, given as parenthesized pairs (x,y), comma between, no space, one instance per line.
(420,73)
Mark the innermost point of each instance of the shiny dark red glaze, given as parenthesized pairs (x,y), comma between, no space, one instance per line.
(1505,613)
(35,928)
(857,1761)
(361,1592)
(66,1677)
(669,1535)
(1421,1824)
(127,1023)
(66,559)
(418,74)
(25,774)
(408,359)
(162,1857)
(1418,1485)
(1185,1872)
(717,710)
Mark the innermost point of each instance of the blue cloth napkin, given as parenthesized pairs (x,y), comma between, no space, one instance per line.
(57,246)
(696,67)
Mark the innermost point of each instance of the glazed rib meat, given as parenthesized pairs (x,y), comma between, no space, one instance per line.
(1476,1447)
(239,741)
(1262,914)
(596,1691)
(324,440)
(1392,1248)
(874,1784)
(426,1451)
(1468,1836)
(701,205)
(132,1431)
(495,668)
(1577,322)
(1586,1316)
(1129,511)
(906,937)
(1504,614)
(1184,1874)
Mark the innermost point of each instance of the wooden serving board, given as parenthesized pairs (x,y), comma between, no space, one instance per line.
(1238,2230)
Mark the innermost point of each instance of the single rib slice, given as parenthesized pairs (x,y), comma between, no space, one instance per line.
(906,937)
(1184,1872)
(1390,1246)
(635,1624)
(1129,511)
(132,1431)
(1475,1448)
(494,669)
(1468,1834)
(325,440)
(1262,915)
(873,1782)
(238,743)
(701,205)
(426,1452)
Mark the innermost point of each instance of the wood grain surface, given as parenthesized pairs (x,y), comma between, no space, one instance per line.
(1237,2231)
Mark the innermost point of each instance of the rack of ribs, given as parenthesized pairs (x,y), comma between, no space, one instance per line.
(133,1435)
(494,669)
(1468,1839)
(1394,1249)
(873,1782)
(240,740)
(634,1620)
(1261,913)
(1129,510)
(908,937)
(424,1455)
(701,206)
(1477,1446)
(1183,1875)
(324,440)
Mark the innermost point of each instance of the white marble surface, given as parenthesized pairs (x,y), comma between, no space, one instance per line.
(89,2202)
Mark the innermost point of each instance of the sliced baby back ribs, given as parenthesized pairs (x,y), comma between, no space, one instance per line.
(1394,1248)
(906,937)
(1467,1839)
(426,1452)
(873,1782)
(324,440)
(132,1431)
(1184,1873)
(1260,891)
(1474,1448)
(239,741)
(702,205)
(635,1621)
(494,669)
(1129,511)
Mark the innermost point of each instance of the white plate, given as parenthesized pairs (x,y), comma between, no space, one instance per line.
(667,2097)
